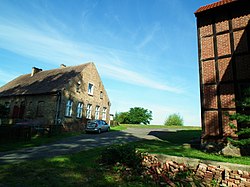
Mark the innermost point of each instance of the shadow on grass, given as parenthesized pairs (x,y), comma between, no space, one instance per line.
(179,137)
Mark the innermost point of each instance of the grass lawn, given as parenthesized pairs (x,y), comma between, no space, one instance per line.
(125,126)
(80,169)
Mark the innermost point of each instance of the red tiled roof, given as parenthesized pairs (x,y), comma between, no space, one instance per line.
(213,5)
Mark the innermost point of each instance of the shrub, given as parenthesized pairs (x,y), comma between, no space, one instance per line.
(174,120)
(242,116)
(125,154)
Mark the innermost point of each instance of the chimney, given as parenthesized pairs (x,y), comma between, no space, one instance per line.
(62,66)
(34,71)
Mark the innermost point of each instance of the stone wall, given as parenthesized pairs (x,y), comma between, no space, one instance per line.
(40,108)
(79,93)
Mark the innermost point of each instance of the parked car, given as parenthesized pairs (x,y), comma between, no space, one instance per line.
(97,126)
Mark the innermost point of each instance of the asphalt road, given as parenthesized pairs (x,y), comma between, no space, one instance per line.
(78,143)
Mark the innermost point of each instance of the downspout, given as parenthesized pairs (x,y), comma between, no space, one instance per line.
(58,106)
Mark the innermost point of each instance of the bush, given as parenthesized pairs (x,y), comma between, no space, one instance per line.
(174,120)
(242,117)
(125,154)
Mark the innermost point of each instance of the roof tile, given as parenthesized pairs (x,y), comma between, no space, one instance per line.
(213,5)
(42,82)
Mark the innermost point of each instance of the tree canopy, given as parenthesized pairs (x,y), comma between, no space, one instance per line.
(136,115)
(174,120)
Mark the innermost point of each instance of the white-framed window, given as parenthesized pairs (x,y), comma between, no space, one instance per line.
(97,112)
(90,89)
(104,113)
(79,110)
(69,105)
(88,111)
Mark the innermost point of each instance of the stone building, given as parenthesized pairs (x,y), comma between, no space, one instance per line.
(224,64)
(67,96)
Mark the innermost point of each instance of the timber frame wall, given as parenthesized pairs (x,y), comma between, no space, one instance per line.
(224,65)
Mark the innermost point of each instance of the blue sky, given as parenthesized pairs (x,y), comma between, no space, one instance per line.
(145,50)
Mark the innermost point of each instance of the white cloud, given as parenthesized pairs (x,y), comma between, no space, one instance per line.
(149,37)
(48,47)
(125,75)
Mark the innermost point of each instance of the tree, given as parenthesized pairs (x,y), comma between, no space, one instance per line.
(174,120)
(139,115)
(136,115)
(122,117)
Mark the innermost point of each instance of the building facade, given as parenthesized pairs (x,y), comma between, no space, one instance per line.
(67,96)
(224,64)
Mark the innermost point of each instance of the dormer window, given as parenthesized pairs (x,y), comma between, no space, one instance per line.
(90,89)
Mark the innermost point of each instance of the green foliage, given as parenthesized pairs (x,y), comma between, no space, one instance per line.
(243,120)
(121,117)
(136,115)
(174,120)
(139,115)
(125,154)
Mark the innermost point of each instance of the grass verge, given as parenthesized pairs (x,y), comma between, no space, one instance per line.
(171,143)
(80,169)
(125,126)
(35,141)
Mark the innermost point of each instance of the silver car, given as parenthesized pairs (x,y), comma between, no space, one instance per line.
(97,126)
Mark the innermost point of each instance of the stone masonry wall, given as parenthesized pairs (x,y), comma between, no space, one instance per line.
(89,75)
(45,113)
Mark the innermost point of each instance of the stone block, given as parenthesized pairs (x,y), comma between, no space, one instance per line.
(231,150)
